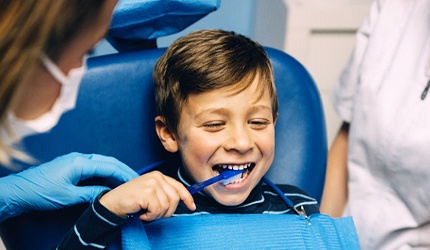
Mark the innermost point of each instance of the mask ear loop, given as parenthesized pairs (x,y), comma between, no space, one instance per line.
(53,69)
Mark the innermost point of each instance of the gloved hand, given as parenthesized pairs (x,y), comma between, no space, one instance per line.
(52,185)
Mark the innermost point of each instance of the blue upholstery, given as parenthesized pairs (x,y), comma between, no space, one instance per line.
(115,116)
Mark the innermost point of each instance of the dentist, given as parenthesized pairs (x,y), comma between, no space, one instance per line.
(43,47)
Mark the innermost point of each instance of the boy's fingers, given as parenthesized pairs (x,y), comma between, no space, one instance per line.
(153,212)
(148,216)
(155,205)
(189,201)
(164,201)
(183,193)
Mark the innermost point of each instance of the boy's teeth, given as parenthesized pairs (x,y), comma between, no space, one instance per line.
(236,167)
(237,178)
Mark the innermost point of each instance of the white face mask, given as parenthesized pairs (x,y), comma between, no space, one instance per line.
(65,102)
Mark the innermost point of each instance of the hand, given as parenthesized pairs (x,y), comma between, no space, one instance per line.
(53,185)
(153,193)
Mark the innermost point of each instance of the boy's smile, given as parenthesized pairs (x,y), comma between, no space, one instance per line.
(222,129)
(235,179)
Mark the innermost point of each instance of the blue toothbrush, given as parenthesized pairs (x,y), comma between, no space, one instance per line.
(197,187)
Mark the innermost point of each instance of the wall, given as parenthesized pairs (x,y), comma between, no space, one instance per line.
(321,35)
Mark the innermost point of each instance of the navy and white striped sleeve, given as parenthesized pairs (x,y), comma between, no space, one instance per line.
(95,229)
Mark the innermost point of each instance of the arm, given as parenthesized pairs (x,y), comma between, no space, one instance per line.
(335,188)
(53,185)
(151,196)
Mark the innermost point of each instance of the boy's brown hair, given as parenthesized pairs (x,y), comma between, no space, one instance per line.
(206,60)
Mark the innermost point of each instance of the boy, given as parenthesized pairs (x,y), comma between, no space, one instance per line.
(217,105)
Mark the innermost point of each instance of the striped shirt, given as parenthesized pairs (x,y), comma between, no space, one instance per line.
(98,227)
(95,229)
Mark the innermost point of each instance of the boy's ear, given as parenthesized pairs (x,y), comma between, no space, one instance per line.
(167,137)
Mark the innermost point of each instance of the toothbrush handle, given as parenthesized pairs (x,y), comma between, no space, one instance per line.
(196,188)
(199,186)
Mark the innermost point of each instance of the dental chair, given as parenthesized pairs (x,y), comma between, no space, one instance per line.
(115,114)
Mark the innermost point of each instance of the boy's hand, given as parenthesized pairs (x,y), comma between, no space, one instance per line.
(154,193)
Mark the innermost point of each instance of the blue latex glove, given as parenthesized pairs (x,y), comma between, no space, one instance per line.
(53,185)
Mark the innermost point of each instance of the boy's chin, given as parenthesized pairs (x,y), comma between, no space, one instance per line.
(230,199)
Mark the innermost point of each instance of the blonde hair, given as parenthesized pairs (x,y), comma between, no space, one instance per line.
(29,28)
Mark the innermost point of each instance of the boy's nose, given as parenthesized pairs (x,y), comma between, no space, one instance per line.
(239,140)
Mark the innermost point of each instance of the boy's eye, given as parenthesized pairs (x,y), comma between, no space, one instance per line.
(259,123)
(213,126)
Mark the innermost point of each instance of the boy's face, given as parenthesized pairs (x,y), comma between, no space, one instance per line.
(221,127)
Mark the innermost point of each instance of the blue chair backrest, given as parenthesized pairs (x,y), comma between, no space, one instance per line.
(115,116)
